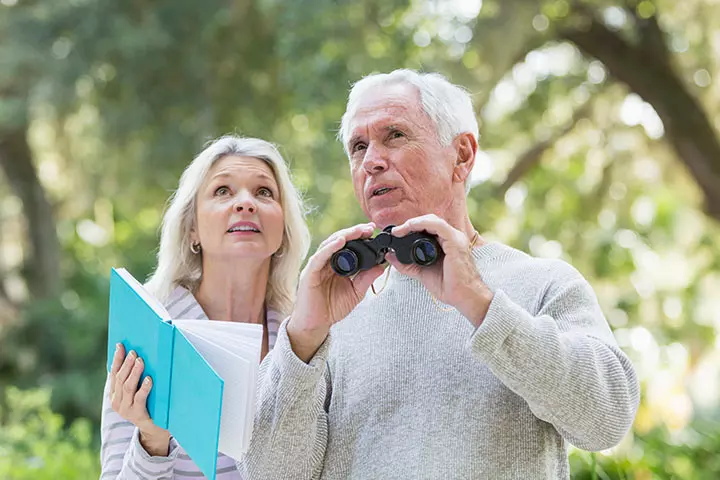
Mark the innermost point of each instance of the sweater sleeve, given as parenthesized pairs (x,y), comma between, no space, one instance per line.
(290,430)
(122,457)
(564,362)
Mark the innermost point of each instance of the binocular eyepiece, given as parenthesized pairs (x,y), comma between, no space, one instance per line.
(419,248)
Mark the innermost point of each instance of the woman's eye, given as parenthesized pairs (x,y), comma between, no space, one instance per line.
(265,192)
(220,191)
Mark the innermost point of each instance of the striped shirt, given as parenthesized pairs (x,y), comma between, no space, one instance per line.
(121,455)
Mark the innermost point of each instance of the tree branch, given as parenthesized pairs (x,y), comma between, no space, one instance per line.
(534,154)
(687,127)
(16,161)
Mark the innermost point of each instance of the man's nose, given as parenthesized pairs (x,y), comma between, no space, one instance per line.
(375,160)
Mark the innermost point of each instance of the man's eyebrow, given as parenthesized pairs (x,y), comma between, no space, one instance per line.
(387,128)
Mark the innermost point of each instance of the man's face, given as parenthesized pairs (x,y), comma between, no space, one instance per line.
(399,169)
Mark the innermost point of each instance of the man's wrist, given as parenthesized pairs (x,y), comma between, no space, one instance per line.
(477,305)
(305,343)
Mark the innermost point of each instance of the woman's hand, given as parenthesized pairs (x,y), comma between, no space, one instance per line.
(324,297)
(130,402)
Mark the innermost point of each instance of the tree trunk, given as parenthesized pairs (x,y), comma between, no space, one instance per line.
(646,69)
(43,266)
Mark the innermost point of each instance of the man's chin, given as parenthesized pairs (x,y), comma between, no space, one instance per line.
(390,216)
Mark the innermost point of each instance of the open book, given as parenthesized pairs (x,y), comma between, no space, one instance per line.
(204,372)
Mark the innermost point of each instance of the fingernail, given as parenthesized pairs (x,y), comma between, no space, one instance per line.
(117,346)
(132,353)
(138,360)
(147,381)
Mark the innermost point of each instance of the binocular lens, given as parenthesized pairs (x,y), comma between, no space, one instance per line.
(345,262)
(424,252)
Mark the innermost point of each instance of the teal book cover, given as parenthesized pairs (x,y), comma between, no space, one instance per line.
(186,398)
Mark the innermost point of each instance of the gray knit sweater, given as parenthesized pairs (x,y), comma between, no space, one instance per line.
(403,390)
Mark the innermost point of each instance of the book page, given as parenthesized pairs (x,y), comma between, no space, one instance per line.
(239,376)
(244,340)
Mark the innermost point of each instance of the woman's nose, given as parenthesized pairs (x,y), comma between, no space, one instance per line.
(245,203)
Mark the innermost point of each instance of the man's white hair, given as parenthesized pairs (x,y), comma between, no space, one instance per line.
(449,106)
(177,265)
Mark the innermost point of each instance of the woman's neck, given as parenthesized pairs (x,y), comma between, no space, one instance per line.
(234,291)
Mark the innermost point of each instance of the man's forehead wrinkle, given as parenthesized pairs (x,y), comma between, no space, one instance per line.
(382,112)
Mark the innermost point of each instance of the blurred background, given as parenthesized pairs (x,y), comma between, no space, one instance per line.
(600,138)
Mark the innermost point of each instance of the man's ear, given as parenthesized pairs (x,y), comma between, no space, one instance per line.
(466,148)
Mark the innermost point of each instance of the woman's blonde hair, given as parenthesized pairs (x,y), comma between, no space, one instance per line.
(177,265)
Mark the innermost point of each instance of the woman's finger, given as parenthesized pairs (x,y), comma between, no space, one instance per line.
(125,369)
(116,364)
(140,400)
(130,385)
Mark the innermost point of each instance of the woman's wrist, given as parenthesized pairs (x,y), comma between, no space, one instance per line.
(155,441)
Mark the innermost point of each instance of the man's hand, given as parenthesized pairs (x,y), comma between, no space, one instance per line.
(324,297)
(130,402)
(455,280)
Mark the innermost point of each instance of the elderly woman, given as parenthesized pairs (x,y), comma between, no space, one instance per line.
(232,243)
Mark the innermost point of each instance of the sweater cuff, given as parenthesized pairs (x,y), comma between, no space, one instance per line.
(291,368)
(502,317)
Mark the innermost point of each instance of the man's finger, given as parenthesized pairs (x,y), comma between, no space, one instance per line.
(350,233)
(412,270)
(322,256)
(429,223)
(432,225)
(325,252)
(365,278)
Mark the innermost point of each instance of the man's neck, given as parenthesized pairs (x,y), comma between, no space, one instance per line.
(234,292)
(456,214)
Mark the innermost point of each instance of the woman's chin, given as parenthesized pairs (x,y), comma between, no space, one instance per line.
(242,253)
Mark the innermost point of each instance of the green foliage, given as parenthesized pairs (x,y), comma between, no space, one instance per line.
(658,454)
(35,443)
(121,95)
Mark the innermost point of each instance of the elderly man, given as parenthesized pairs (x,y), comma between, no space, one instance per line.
(483,366)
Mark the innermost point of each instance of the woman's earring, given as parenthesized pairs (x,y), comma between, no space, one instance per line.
(195,248)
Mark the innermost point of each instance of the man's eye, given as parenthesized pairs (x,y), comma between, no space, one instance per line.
(220,191)
(358,147)
(396,134)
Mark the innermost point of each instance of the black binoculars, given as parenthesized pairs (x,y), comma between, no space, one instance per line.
(419,248)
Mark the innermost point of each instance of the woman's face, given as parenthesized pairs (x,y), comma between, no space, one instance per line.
(238,210)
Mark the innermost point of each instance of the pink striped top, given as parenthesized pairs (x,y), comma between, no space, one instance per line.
(121,455)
